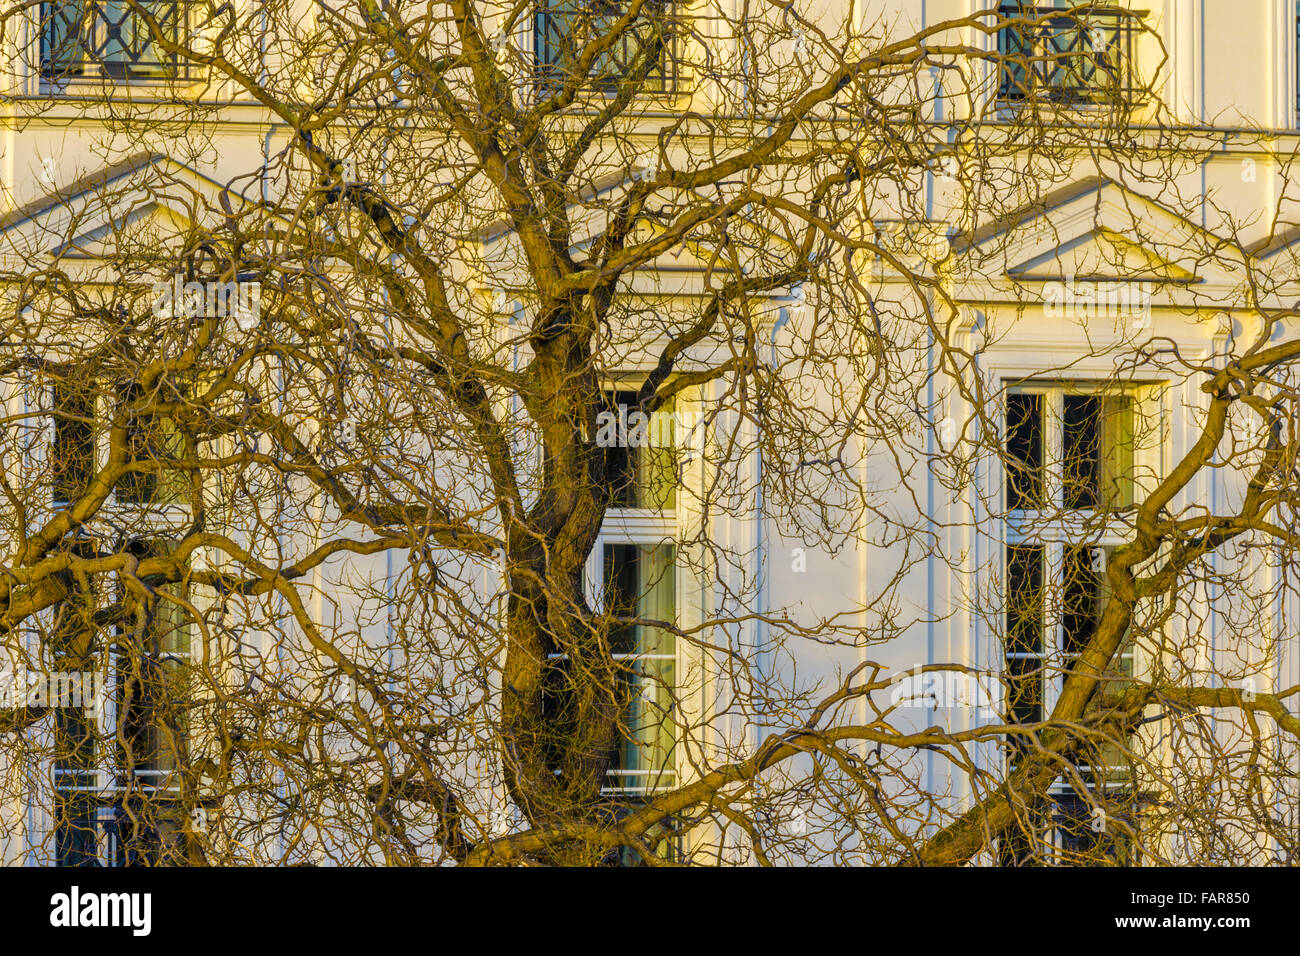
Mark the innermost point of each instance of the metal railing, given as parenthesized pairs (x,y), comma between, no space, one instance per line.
(111,38)
(563,29)
(1074,56)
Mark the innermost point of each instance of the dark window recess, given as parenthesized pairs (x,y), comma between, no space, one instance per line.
(1082,594)
(73,456)
(621,461)
(1082,450)
(1024,451)
(1024,634)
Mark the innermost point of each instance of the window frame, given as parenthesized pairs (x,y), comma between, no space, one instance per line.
(638,527)
(1053,528)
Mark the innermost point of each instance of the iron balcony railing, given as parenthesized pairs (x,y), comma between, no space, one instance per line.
(1076,56)
(563,29)
(92,38)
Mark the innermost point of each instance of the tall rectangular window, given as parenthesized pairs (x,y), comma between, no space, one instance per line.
(1070,459)
(632,575)
(152,705)
(154,443)
(76,651)
(118,789)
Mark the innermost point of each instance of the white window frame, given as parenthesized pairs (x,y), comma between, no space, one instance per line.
(640,527)
(1054,528)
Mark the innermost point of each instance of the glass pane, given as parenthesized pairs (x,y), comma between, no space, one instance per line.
(1117,443)
(1080,448)
(1024,691)
(152,440)
(640,581)
(1081,596)
(621,589)
(152,680)
(75,832)
(1087,836)
(620,459)
(1098,444)
(565,28)
(656,477)
(1015,47)
(111,34)
(129,48)
(1024,634)
(64,27)
(1024,451)
(1071,57)
(1024,600)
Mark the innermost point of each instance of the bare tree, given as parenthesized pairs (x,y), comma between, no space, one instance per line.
(415,484)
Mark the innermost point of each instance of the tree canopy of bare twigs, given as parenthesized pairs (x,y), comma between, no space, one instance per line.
(347,554)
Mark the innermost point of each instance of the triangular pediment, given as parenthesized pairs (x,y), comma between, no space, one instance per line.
(145,201)
(1103,255)
(1099,230)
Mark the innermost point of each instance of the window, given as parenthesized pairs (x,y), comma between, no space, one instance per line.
(73,457)
(1054,53)
(1070,476)
(83,38)
(633,574)
(1088,438)
(154,442)
(76,649)
(563,29)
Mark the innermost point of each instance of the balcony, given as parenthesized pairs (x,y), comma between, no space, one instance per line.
(1080,56)
(109,38)
(563,29)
